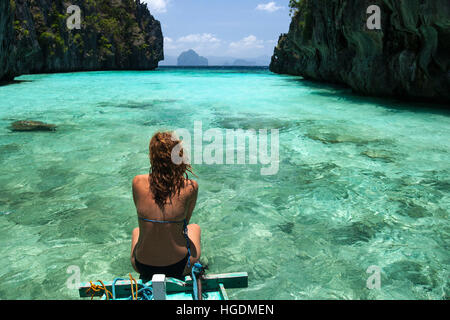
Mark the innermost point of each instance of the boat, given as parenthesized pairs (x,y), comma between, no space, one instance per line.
(212,287)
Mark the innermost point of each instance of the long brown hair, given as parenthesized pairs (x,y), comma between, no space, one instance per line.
(166,178)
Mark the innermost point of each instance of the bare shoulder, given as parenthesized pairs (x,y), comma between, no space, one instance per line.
(140,180)
(192,186)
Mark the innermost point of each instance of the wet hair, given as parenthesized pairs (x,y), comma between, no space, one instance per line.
(166,178)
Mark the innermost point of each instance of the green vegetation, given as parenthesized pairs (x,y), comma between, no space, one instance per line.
(107,28)
(116,27)
(301,9)
(51,30)
(20,30)
(297,5)
(13,5)
(78,42)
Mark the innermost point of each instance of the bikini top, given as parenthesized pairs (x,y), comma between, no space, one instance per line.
(185,233)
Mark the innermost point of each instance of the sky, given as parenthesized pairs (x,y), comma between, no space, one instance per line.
(236,28)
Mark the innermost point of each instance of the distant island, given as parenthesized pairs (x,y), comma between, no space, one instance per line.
(263,61)
(190,58)
(243,63)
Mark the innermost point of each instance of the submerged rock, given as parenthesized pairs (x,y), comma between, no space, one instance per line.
(382,155)
(27,125)
(286,227)
(328,40)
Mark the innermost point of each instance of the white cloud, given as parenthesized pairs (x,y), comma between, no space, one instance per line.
(169,43)
(202,43)
(269,7)
(250,42)
(156,6)
(199,38)
(272,42)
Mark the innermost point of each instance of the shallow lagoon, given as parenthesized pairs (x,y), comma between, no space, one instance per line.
(361,182)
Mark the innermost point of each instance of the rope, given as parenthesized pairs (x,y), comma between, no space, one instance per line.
(196,269)
(146,292)
(132,291)
(96,288)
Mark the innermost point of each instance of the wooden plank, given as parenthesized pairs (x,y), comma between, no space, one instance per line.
(176,285)
(229,280)
(210,282)
(223,292)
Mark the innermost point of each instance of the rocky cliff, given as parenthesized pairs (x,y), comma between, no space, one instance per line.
(6,41)
(409,57)
(114,35)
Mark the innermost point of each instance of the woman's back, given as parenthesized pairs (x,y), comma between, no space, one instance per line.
(161,239)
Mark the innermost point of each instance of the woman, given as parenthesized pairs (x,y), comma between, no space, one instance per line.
(165,242)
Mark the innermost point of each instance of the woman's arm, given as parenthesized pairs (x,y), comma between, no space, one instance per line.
(193,200)
(134,189)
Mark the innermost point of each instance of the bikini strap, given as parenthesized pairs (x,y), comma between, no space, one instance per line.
(160,221)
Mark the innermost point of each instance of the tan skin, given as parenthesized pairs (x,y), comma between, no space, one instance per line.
(163,244)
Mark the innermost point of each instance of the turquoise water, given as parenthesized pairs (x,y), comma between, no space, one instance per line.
(361,182)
